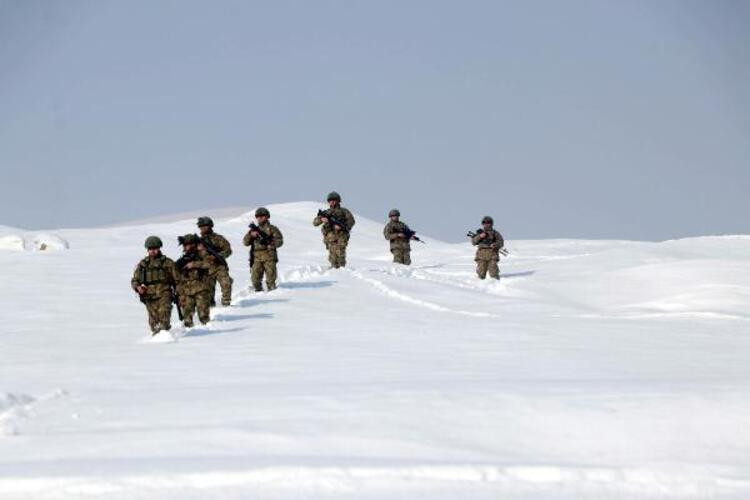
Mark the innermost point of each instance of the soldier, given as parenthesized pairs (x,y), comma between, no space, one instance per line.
(335,234)
(488,243)
(192,284)
(153,280)
(399,235)
(219,250)
(263,240)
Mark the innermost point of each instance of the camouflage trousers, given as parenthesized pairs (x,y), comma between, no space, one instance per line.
(401,256)
(225,282)
(337,253)
(190,302)
(485,265)
(263,267)
(159,312)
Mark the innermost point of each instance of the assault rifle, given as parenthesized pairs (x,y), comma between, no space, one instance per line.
(213,252)
(472,234)
(412,235)
(333,220)
(264,238)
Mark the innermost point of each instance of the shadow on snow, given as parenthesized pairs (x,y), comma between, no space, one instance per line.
(252,301)
(241,317)
(202,331)
(306,284)
(516,275)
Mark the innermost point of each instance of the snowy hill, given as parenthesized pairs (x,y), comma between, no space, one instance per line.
(593,369)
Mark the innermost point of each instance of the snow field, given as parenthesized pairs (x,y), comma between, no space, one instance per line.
(593,369)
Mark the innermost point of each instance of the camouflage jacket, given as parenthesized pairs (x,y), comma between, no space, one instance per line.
(489,246)
(157,274)
(277,240)
(329,233)
(391,232)
(220,245)
(195,279)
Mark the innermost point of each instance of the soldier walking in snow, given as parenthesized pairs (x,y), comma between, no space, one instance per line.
(193,281)
(400,236)
(219,250)
(337,222)
(154,280)
(263,239)
(489,244)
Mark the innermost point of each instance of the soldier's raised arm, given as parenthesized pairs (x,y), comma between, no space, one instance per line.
(477,239)
(317,221)
(247,240)
(200,264)
(278,238)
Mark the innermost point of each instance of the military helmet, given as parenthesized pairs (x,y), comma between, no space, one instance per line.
(205,221)
(262,211)
(394,213)
(188,239)
(153,242)
(333,196)
(487,220)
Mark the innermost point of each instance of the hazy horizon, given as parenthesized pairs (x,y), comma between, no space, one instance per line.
(597,120)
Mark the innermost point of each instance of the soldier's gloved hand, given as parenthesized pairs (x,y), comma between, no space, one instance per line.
(190,265)
(324,219)
(337,227)
(401,235)
(141,289)
(482,236)
(254,234)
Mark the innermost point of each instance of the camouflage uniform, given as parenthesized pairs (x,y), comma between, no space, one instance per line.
(218,271)
(487,255)
(264,257)
(336,241)
(193,287)
(159,276)
(400,247)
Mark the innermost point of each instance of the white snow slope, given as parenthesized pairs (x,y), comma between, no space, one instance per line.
(593,369)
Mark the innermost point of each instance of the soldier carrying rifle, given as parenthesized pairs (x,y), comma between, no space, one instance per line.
(400,236)
(219,251)
(489,245)
(263,239)
(337,222)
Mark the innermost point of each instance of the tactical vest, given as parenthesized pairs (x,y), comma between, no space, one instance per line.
(152,272)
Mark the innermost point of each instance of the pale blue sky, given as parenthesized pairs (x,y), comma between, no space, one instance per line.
(594,119)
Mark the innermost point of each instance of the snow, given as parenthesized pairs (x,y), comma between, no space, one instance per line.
(49,242)
(593,369)
(12,242)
